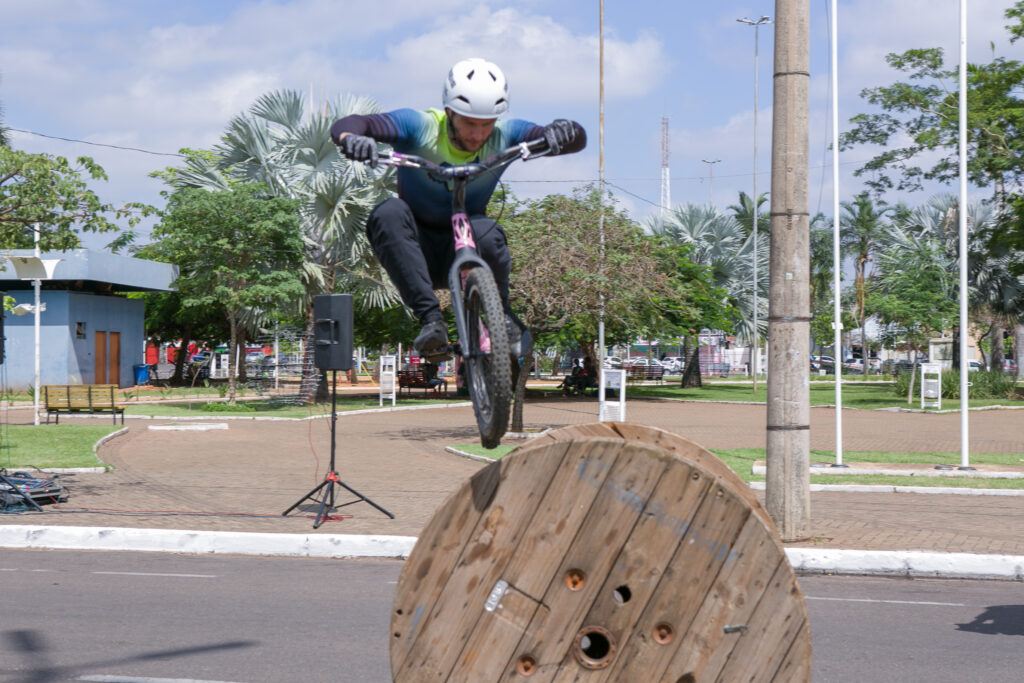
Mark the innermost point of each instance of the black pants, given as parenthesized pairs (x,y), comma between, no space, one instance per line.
(417,257)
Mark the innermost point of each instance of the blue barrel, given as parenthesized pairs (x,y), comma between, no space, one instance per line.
(141,373)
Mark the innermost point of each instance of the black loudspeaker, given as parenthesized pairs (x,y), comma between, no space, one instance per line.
(332,331)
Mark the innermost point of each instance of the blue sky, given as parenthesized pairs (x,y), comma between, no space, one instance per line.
(161,76)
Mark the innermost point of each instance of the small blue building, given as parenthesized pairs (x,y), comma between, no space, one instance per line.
(89,333)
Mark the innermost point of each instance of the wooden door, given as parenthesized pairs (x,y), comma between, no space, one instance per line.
(101,358)
(114,358)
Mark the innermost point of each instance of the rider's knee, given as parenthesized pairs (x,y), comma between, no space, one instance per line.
(389,216)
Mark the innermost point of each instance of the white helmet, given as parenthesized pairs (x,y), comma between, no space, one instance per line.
(476,88)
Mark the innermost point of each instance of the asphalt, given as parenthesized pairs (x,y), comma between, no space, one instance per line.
(224,489)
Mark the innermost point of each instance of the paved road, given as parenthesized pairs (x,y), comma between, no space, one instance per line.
(97,615)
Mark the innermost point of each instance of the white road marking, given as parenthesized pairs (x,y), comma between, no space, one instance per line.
(142,679)
(890,602)
(181,576)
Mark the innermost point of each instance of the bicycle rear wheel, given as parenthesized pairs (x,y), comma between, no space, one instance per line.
(488,370)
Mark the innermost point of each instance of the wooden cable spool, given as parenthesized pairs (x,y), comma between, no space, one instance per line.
(602,552)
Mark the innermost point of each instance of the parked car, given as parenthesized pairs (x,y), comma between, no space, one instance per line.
(641,362)
(1009,366)
(612,362)
(973,365)
(254,357)
(673,364)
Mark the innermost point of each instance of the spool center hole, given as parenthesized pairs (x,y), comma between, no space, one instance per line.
(595,646)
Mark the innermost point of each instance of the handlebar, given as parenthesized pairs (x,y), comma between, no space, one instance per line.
(524,151)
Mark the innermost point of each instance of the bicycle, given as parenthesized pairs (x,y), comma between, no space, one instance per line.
(483,341)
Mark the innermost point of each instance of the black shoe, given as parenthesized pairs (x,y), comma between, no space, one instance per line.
(433,336)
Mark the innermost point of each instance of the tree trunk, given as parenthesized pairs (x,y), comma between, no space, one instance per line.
(182,358)
(520,396)
(691,372)
(913,374)
(998,353)
(231,361)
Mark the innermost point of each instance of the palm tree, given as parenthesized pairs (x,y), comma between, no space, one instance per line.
(996,294)
(720,242)
(861,229)
(291,152)
(744,212)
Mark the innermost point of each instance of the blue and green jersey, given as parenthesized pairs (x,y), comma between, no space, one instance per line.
(425,133)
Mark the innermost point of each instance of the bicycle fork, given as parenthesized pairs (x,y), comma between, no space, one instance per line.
(466,257)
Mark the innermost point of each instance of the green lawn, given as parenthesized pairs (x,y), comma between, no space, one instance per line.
(864,396)
(66,445)
(265,409)
(742,460)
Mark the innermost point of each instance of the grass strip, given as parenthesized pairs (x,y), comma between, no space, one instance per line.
(51,446)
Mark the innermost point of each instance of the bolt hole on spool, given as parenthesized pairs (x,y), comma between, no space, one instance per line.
(663,633)
(526,665)
(622,594)
(594,647)
(574,579)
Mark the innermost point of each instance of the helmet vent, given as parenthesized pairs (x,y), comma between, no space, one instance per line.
(493,77)
(470,74)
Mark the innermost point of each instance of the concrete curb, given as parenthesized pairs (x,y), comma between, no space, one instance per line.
(887,488)
(205,542)
(908,563)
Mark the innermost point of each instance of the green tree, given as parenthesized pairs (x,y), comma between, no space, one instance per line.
(744,213)
(861,229)
(237,248)
(911,292)
(282,145)
(720,243)
(920,117)
(51,192)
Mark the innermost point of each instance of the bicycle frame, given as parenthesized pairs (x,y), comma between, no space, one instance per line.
(466,255)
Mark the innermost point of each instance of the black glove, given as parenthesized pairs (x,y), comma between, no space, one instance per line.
(360,148)
(559,133)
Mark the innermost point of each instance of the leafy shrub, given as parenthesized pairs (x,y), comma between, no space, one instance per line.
(227,408)
(984,384)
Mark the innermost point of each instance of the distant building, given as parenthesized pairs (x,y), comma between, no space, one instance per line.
(90,334)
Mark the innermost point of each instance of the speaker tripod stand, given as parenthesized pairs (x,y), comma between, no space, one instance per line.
(326,488)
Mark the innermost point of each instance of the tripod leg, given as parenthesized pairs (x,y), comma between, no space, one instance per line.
(364,498)
(311,494)
(327,502)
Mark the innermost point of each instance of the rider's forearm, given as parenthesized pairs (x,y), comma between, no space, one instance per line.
(376,126)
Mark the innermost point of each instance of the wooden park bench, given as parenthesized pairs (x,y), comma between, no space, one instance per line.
(645,373)
(415,379)
(81,398)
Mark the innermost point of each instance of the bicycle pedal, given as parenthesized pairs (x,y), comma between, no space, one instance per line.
(440,354)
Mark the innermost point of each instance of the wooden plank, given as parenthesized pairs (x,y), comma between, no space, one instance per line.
(797,664)
(707,547)
(692,452)
(608,525)
(425,572)
(643,561)
(478,568)
(779,618)
(498,631)
(705,647)
(553,526)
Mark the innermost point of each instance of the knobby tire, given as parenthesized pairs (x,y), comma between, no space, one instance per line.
(488,373)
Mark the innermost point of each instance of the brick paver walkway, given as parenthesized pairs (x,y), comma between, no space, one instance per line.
(253,471)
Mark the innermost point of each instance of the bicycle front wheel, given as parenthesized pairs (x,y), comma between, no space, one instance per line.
(488,370)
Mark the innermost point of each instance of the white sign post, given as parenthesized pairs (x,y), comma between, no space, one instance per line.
(931,385)
(388,381)
(613,411)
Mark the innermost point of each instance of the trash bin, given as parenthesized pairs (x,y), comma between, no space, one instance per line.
(141,373)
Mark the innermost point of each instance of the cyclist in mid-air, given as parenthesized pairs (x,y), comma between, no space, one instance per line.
(411,234)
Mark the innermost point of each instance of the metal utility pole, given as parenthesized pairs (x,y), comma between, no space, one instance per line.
(666,191)
(756,337)
(711,175)
(965,458)
(600,221)
(788,441)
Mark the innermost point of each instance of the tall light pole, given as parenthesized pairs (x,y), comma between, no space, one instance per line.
(711,175)
(753,361)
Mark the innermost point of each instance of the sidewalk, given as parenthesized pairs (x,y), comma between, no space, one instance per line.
(242,478)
